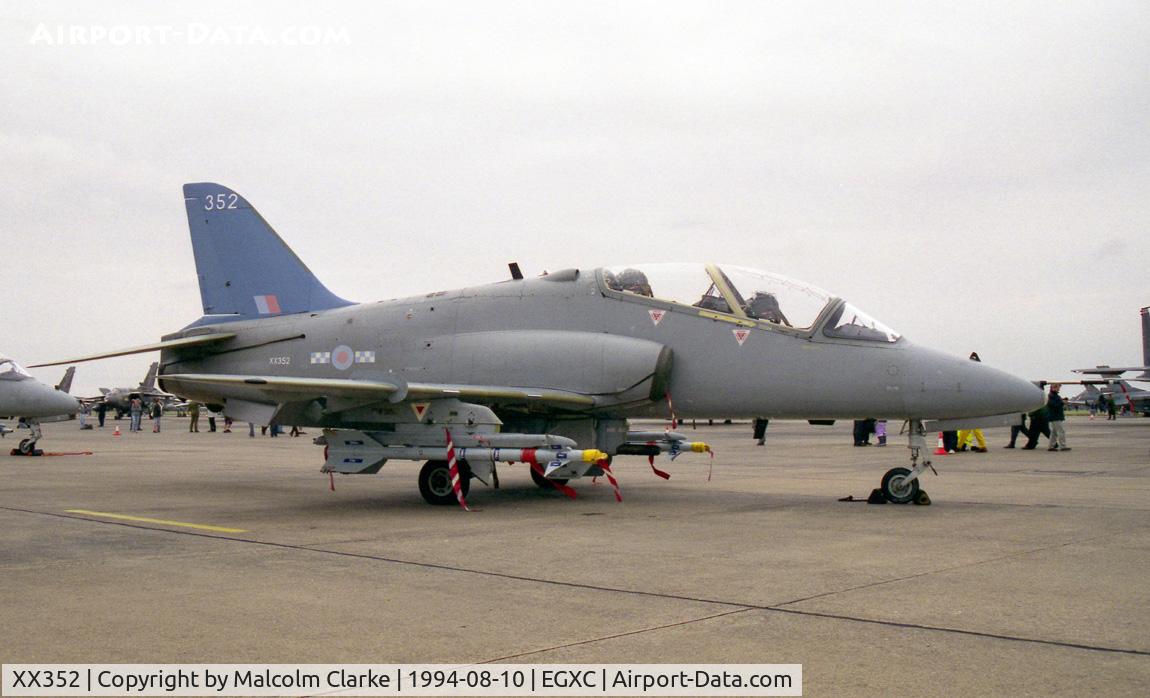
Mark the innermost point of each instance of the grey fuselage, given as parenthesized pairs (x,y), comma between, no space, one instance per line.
(29,398)
(570,332)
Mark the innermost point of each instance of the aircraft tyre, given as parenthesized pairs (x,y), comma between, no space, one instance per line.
(896,488)
(543,482)
(435,482)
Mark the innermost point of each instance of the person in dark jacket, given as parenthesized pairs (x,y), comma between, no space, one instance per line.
(1039,425)
(760,431)
(1056,413)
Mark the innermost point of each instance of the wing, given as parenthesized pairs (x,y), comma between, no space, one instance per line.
(1108,371)
(297,389)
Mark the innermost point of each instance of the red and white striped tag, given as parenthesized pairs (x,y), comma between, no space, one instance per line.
(453,469)
(611,478)
(565,489)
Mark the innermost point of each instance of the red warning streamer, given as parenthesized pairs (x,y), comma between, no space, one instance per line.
(66,453)
(661,473)
(538,469)
(611,478)
(453,469)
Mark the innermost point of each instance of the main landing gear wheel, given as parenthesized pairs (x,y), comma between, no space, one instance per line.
(435,482)
(543,482)
(897,489)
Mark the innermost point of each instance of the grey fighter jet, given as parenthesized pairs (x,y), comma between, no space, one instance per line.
(23,396)
(119,399)
(1109,377)
(546,371)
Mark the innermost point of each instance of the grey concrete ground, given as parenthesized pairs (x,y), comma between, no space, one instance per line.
(1027,576)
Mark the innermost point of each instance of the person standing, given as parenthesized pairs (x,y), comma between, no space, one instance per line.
(211,419)
(1017,428)
(85,412)
(1111,409)
(880,432)
(1056,413)
(760,431)
(157,411)
(136,410)
(101,412)
(194,418)
(1039,426)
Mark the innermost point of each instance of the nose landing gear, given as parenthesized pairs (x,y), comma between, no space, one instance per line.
(27,446)
(901,485)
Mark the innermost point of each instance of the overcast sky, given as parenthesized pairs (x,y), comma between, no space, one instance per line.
(976,175)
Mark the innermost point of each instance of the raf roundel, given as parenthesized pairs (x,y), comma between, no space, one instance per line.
(342,357)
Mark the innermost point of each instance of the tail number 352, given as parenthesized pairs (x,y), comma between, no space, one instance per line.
(220,201)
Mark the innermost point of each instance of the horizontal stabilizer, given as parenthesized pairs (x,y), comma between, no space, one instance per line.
(181,343)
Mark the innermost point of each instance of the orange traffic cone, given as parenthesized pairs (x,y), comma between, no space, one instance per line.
(117,432)
(941,450)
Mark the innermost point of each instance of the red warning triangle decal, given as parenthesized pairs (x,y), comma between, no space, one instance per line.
(420,409)
(741,336)
(656,316)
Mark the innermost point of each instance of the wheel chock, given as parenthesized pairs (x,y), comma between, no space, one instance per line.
(923,499)
(876,497)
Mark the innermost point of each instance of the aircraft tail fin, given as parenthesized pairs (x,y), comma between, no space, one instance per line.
(149,382)
(245,269)
(1145,312)
(65,384)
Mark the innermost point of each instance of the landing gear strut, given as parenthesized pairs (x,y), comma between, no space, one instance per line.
(27,446)
(900,485)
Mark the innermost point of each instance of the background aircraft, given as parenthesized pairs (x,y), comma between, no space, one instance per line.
(119,399)
(1110,382)
(546,371)
(23,396)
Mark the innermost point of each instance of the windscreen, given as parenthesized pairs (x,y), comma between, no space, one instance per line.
(851,323)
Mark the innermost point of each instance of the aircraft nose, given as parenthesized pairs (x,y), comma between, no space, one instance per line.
(64,402)
(941,386)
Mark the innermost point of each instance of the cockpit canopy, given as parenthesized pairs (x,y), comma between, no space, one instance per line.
(12,371)
(748,293)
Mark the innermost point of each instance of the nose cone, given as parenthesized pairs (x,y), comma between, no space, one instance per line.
(36,400)
(65,403)
(941,386)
